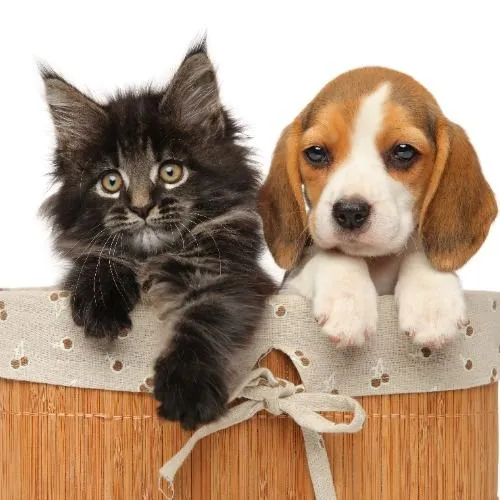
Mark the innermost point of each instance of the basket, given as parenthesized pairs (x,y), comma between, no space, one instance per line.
(57,441)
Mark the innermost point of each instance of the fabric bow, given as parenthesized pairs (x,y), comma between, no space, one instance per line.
(263,391)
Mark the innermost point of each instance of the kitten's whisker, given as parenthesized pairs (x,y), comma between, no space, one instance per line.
(81,180)
(193,237)
(215,243)
(112,269)
(87,245)
(92,242)
(79,240)
(180,234)
(96,271)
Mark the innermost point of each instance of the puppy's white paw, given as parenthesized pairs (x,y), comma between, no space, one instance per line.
(347,315)
(433,313)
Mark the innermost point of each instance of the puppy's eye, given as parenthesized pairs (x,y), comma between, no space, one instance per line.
(316,155)
(402,156)
(112,182)
(172,173)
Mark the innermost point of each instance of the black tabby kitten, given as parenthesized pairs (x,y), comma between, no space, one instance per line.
(158,196)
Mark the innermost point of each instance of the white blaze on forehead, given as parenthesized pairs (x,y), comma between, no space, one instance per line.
(359,174)
(369,121)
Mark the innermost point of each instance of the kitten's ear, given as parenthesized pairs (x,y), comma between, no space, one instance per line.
(192,98)
(78,120)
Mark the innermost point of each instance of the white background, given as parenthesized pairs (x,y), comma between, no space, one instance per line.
(272,58)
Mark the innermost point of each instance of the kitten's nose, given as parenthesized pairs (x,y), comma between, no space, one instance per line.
(142,211)
(351,213)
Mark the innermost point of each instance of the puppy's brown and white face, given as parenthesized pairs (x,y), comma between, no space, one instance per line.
(376,161)
(356,165)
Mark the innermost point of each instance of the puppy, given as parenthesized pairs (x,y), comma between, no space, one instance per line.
(372,191)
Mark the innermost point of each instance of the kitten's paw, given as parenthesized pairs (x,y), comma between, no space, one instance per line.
(432,315)
(188,392)
(100,318)
(347,316)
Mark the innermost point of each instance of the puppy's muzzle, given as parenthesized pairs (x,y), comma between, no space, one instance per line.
(351,213)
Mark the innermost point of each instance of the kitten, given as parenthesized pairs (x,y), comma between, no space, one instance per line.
(158,196)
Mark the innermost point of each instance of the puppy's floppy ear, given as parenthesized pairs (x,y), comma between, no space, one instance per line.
(281,203)
(459,205)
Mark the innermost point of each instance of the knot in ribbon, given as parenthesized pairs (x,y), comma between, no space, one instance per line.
(263,391)
(269,390)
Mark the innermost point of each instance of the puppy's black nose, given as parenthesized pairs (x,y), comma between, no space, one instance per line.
(351,214)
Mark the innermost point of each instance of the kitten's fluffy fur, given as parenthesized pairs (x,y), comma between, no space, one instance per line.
(193,248)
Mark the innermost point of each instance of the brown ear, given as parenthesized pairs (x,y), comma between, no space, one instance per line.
(459,205)
(281,203)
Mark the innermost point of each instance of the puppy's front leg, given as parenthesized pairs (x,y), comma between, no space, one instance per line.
(343,294)
(431,303)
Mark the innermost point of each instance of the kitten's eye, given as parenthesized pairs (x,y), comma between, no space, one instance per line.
(402,156)
(112,182)
(172,173)
(316,156)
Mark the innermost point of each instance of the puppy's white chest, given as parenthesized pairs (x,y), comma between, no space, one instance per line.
(384,273)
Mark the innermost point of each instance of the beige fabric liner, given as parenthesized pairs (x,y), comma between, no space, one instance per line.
(40,343)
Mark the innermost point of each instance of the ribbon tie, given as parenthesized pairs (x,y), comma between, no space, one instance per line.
(263,391)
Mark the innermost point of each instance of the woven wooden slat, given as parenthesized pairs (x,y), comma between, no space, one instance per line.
(70,443)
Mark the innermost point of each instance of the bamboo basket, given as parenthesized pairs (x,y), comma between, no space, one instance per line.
(71,443)
(76,421)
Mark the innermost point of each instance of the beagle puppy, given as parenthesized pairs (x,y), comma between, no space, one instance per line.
(373,191)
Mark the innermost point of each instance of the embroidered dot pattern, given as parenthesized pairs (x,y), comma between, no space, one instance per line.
(304,361)
(377,382)
(147,385)
(280,311)
(18,363)
(54,296)
(123,334)
(426,352)
(117,366)
(67,343)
